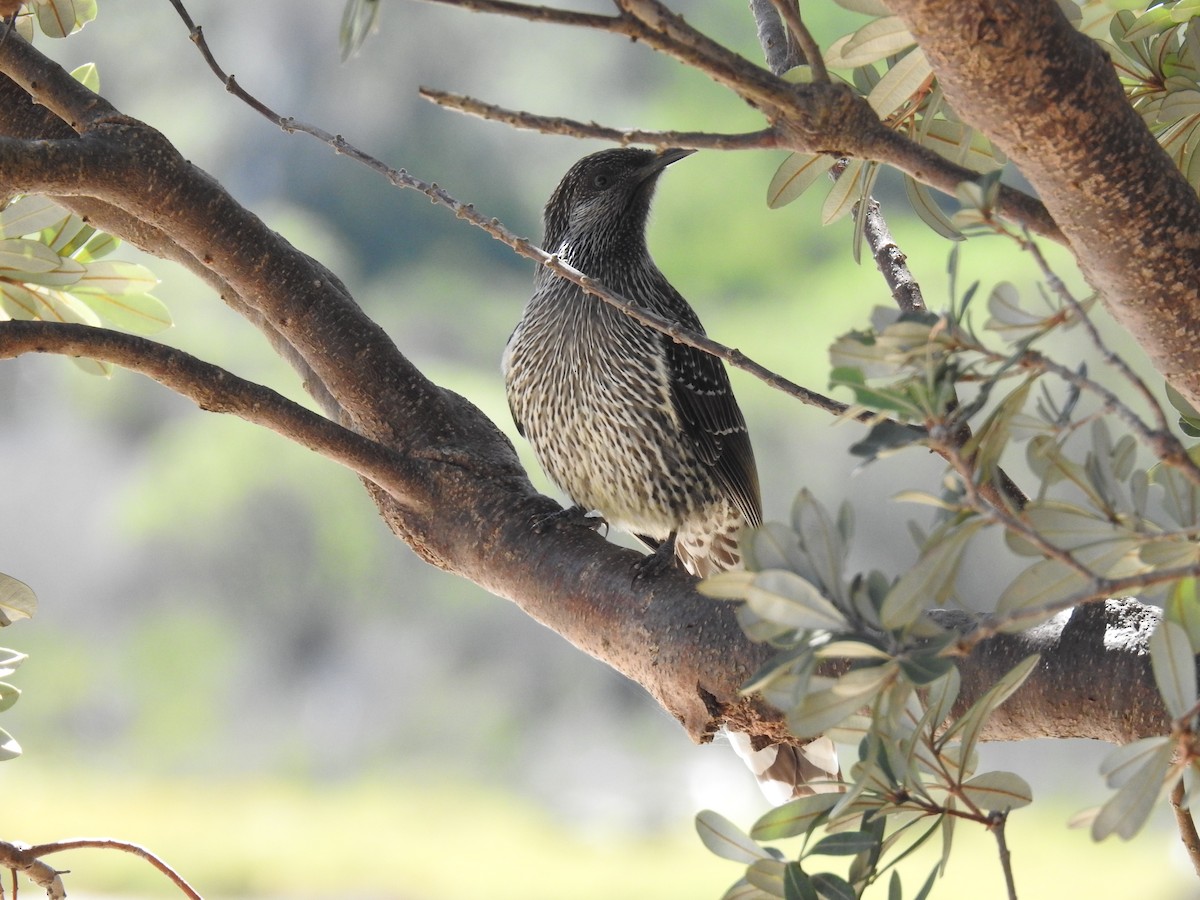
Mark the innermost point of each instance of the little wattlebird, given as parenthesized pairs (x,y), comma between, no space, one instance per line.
(628,422)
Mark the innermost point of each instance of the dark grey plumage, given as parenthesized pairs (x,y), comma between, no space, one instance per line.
(625,420)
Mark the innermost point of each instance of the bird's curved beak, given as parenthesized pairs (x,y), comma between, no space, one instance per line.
(668,156)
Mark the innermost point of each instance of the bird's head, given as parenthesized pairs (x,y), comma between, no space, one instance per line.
(604,200)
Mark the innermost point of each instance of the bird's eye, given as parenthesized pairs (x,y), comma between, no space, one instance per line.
(601,180)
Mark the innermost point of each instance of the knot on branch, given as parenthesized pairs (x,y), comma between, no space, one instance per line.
(825,118)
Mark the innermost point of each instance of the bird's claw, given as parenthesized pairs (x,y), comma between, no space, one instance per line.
(572,515)
(654,564)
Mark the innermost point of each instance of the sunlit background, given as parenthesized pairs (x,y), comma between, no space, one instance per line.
(235,664)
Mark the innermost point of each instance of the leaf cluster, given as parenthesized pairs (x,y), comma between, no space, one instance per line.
(849,645)
(885,65)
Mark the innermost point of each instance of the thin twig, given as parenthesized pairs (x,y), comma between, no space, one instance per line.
(39,850)
(1098,589)
(766,139)
(892,263)
(1186,824)
(1163,444)
(996,826)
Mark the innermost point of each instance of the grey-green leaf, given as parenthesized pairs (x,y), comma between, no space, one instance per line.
(845,843)
(795,817)
(874,41)
(767,876)
(1128,810)
(930,582)
(726,840)
(8,695)
(795,175)
(998,791)
(9,748)
(1174,666)
(17,600)
(785,598)
(1123,763)
(833,887)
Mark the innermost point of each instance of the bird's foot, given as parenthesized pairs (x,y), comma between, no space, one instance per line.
(572,515)
(654,564)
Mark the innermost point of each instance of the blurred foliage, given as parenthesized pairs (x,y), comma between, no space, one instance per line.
(55,18)
(1097,525)
(17,602)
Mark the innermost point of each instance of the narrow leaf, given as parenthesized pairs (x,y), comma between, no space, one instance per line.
(767,876)
(9,748)
(845,843)
(8,695)
(844,194)
(1128,810)
(974,718)
(1174,666)
(930,582)
(871,43)
(17,600)
(833,887)
(998,791)
(726,840)
(901,82)
(29,215)
(795,817)
(795,175)
(785,598)
(1123,763)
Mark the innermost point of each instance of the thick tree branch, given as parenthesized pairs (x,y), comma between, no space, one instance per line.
(1049,97)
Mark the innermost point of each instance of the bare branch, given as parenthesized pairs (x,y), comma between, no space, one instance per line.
(125,847)
(19,859)
(216,390)
(1186,825)
(891,262)
(525,248)
(535,13)
(700,140)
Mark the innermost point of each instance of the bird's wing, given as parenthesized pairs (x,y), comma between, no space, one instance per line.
(705,403)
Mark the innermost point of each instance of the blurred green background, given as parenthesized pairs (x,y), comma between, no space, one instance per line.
(235,663)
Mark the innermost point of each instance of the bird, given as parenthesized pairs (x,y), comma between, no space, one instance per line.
(625,420)
(630,423)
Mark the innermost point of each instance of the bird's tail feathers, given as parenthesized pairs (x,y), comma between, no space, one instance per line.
(787,771)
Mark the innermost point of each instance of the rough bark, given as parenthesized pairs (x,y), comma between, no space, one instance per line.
(457,494)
